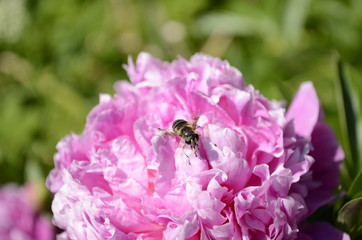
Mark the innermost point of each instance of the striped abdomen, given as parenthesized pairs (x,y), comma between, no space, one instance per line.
(178,125)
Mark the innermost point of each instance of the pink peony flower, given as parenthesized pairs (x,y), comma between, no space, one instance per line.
(18,220)
(260,173)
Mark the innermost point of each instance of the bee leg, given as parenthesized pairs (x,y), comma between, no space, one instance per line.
(195,152)
(183,150)
(195,148)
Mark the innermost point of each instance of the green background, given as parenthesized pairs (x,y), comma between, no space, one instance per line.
(57,56)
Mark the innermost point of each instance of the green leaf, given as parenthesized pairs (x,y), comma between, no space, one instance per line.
(355,189)
(350,216)
(350,120)
(295,15)
(230,23)
(355,79)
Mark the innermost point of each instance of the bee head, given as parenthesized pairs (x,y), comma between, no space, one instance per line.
(193,138)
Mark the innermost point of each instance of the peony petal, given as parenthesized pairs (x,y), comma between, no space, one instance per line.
(253,172)
(304,110)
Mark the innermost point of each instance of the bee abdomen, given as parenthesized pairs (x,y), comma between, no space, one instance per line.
(177,124)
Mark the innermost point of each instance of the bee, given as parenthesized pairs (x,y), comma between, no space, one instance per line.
(186,131)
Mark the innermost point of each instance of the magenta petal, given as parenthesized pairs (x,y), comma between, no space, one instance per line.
(223,232)
(19,218)
(167,168)
(147,69)
(321,230)
(186,230)
(304,110)
(329,156)
(210,218)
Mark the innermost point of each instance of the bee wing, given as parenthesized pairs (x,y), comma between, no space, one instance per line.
(165,132)
(194,119)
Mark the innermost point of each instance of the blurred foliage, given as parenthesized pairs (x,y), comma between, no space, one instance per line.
(349,208)
(57,56)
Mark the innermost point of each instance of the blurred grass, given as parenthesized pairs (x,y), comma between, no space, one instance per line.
(57,56)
